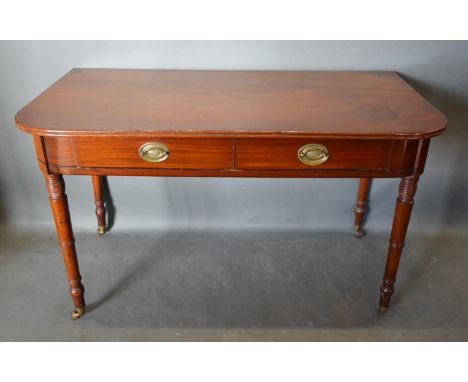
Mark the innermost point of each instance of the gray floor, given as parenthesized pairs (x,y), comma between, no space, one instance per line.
(160,286)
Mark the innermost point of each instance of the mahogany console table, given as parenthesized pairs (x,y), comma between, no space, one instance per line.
(102,122)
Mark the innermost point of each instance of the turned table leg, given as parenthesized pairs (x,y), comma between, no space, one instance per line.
(99,201)
(361,205)
(59,204)
(404,205)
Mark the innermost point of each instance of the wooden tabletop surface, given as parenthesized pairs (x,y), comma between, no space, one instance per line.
(233,103)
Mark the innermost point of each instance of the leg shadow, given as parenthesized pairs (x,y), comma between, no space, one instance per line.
(110,207)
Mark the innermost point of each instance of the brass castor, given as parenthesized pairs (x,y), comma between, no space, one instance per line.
(383,309)
(101,230)
(77,313)
(359,231)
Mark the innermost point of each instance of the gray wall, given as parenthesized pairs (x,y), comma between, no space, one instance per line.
(439,70)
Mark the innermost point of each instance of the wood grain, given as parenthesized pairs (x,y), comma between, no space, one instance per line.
(59,205)
(404,206)
(210,153)
(123,151)
(230,124)
(271,153)
(179,102)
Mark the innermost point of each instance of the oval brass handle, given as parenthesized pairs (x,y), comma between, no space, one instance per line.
(153,152)
(313,154)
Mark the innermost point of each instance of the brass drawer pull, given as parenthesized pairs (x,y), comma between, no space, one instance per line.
(153,152)
(313,154)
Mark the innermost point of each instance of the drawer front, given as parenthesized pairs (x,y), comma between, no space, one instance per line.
(283,153)
(127,152)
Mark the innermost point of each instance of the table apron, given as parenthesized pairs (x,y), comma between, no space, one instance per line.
(230,157)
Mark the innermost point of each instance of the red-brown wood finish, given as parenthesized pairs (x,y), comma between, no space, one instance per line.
(230,124)
(403,208)
(100,203)
(123,151)
(259,103)
(264,153)
(387,157)
(361,205)
(59,204)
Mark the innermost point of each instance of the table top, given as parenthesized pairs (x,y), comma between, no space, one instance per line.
(231,103)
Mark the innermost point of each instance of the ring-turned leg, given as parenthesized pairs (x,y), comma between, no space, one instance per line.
(404,205)
(59,204)
(99,201)
(361,205)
